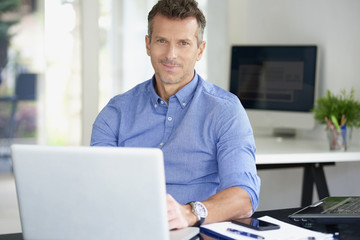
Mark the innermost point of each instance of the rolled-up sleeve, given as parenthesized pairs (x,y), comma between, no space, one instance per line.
(236,152)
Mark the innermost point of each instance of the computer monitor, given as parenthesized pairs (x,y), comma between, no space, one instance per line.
(276,85)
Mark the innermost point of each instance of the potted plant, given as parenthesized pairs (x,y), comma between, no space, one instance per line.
(340,113)
(6,21)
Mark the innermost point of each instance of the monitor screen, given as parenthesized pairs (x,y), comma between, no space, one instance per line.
(280,78)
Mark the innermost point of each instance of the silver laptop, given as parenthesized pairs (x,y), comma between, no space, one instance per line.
(92,193)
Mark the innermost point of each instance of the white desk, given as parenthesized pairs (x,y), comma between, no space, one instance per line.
(309,154)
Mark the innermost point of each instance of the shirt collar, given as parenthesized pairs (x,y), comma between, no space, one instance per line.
(184,95)
(155,99)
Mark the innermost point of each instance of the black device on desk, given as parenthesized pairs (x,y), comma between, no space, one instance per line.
(255,223)
(330,210)
(343,231)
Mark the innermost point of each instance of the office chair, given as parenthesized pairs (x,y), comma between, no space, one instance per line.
(25,89)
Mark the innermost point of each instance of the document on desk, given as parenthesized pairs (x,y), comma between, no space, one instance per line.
(286,231)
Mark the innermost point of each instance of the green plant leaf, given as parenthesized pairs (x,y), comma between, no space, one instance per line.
(338,105)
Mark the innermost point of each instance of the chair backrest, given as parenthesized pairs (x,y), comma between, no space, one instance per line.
(26,86)
(25,89)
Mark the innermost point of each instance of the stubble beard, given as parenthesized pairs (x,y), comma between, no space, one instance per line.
(172,63)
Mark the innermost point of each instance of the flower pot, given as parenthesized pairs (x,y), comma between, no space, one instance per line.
(339,140)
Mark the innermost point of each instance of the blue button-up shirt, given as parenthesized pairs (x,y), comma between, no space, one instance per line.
(203,131)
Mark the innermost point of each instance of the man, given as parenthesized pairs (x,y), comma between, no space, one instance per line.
(203,130)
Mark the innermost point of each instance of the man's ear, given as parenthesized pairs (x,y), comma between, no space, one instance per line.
(201,50)
(147,44)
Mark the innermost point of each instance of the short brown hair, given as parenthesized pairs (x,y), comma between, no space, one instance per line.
(178,9)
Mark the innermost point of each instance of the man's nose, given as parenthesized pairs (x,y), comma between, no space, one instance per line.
(172,51)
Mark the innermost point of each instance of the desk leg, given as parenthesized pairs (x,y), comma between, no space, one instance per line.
(307,188)
(313,173)
(320,181)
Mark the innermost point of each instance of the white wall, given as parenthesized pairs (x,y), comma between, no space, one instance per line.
(333,25)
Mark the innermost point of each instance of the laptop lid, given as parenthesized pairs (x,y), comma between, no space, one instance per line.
(345,209)
(91,192)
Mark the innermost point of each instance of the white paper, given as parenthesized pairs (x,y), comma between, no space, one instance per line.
(287,231)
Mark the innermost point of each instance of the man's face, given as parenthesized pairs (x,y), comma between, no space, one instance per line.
(173,49)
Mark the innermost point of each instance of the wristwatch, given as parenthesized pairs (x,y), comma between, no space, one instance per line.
(200,212)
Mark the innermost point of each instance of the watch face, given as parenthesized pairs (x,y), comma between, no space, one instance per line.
(200,209)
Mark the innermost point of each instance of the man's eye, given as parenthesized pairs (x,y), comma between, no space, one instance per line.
(161,41)
(184,43)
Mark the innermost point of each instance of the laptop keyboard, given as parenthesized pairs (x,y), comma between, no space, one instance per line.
(350,206)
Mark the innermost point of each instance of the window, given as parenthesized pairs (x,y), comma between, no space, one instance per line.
(49,42)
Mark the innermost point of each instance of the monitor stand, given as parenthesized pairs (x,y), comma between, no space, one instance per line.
(284,132)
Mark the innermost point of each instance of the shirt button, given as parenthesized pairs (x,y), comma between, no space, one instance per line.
(161,144)
(162,102)
(184,104)
(170,118)
(155,105)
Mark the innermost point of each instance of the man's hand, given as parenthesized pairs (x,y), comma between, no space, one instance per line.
(179,216)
